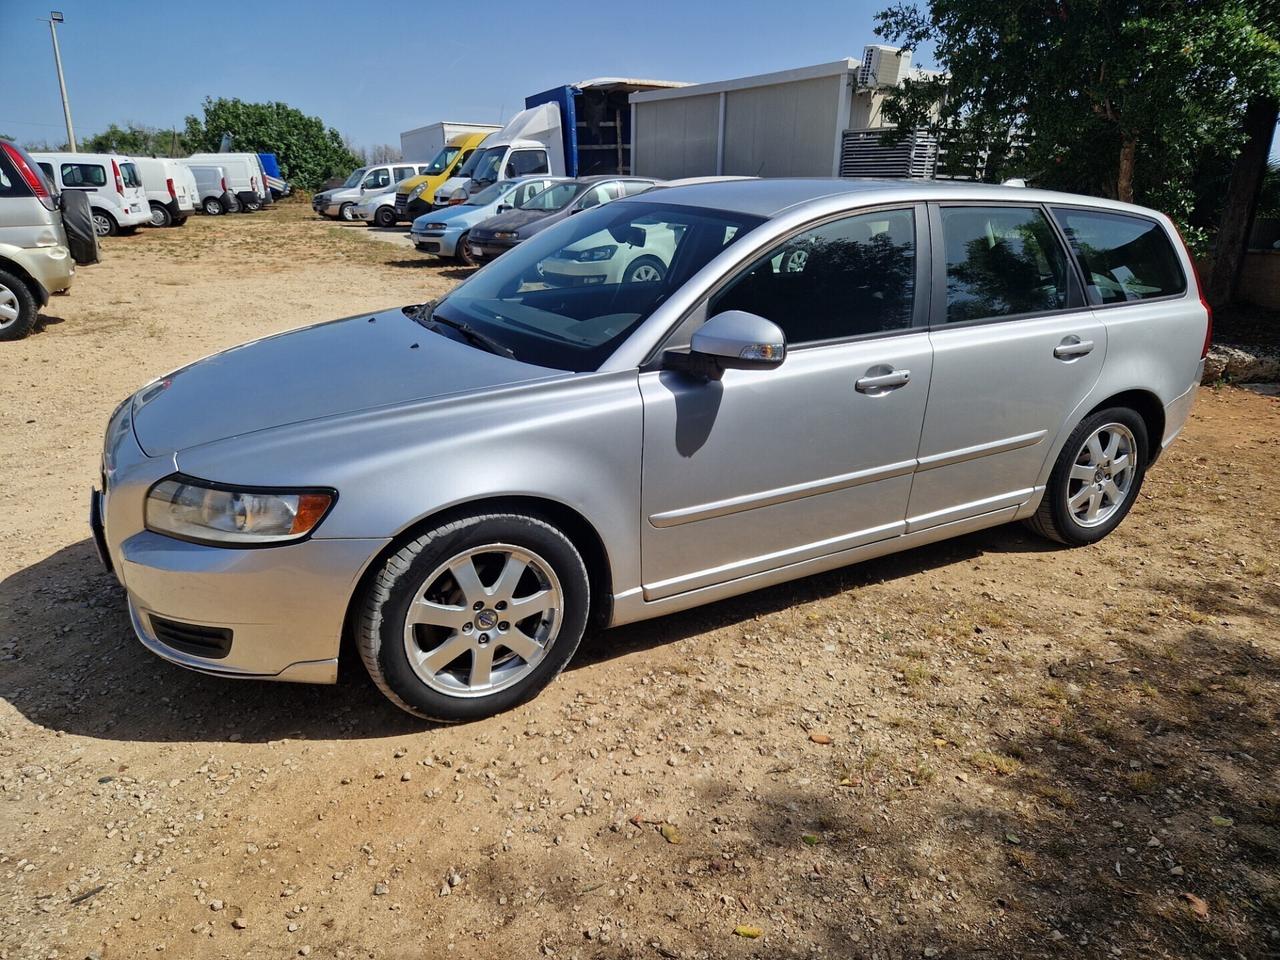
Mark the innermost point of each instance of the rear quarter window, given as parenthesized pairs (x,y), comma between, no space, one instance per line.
(1123,258)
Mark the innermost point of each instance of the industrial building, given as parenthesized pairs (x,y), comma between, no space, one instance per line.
(819,121)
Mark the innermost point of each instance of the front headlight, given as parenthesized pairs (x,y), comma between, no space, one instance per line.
(435,226)
(596,254)
(416,192)
(506,235)
(197,510)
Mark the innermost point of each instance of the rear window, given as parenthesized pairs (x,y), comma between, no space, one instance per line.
(129,174)
(83,175)
(1123,257)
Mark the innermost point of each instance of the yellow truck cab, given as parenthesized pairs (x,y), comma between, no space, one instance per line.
(413,196)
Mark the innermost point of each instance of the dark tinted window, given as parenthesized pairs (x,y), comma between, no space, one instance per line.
(404,173)
(524,163)
(377,178)
(1122,257)
(83,175)
(854,276)
(1001,261)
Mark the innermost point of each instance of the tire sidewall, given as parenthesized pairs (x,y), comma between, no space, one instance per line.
(28,309)
(166,218)
(1066,524)
(113,228)
(386,614)
(463,250)
(386,221)
(346,213)
(213,207)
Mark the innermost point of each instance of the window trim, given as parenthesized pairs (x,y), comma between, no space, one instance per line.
(1088,208)
(696,315)
(1076,300)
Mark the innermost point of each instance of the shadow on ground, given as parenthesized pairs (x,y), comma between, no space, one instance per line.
(72,662)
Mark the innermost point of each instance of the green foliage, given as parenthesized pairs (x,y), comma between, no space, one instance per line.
(136,140)
(308,151)
(1056,89)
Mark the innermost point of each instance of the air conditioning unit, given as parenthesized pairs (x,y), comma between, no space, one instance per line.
(883,66)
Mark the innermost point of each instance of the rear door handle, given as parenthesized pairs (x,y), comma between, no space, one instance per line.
(1072,347)
(882,382)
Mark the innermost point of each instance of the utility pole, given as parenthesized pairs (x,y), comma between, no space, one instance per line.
(55,18)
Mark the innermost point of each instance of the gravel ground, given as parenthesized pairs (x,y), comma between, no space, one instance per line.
(986,747)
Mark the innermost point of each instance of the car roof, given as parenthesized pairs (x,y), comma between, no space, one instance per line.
(770,197)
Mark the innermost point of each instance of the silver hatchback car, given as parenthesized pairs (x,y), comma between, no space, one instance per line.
(820,372)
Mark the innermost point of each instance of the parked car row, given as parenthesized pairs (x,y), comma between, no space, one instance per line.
(125,193)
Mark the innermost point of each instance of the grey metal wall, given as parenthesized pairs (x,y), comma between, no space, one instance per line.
(676,138)
(782,130)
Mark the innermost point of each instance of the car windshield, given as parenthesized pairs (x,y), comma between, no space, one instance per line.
(567,297)
(129,174)
(553,198)
(356,177)
(441,163)
(487,163)
(490,193)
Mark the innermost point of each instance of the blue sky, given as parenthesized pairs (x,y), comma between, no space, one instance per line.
(375,69)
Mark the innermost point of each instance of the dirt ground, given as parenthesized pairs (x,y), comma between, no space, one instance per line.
(986,747)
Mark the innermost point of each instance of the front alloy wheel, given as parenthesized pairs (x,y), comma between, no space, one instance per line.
(474,617)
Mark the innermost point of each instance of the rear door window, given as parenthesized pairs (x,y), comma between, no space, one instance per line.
(83,175)
(1122,257)
(1001,262)
(129,174)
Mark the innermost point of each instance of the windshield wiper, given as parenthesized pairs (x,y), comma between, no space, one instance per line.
(424,313)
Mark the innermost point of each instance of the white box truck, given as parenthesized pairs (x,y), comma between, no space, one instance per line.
(421,145)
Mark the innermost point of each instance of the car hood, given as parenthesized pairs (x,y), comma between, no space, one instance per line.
(513,220)
(326,370)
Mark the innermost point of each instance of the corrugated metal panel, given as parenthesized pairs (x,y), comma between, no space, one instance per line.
(676,138)
(782,130)
(864,153)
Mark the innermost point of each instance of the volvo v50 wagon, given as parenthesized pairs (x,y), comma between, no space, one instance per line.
(823,372)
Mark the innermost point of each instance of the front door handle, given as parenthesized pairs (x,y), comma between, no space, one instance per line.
(1072,347)
(882,382)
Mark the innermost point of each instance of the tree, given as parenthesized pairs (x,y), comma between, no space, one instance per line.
(1111,97)
(137,140)
(308,151)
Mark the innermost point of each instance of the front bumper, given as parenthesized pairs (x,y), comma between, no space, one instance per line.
(486,248)
(442,244)
(283,606)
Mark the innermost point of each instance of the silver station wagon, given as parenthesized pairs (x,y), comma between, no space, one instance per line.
(816,372)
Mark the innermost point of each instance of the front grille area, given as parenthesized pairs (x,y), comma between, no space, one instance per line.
(402,201)
(192,638)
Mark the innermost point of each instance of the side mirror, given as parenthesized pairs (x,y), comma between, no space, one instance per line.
(504,207)
(737,340)
(511,171)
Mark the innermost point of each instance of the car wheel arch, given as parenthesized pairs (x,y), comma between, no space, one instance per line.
(580,531)
(1146,405)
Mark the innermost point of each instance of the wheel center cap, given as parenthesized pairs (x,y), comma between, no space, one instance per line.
(1099,475)
(487,619)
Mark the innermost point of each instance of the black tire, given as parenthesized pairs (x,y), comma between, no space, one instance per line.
(213,207)
(104,224)
(647,264)
(160,215)
(15,293)
(347,213)
(462,252)
(380,623)
(181,221)
(384,217)
(1054,518)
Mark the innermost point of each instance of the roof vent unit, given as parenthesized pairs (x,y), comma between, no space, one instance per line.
(883,66)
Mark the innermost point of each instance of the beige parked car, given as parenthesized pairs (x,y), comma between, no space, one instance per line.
(35,260)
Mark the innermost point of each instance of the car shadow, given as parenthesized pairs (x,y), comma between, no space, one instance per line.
(71,662)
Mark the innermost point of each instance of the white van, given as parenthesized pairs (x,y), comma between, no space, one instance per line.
(170,188)
(112,182)
(245,176)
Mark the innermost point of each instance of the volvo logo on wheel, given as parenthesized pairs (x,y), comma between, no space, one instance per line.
(487,619)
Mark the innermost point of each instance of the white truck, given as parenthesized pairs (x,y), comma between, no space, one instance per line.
(530,144)
(422,144)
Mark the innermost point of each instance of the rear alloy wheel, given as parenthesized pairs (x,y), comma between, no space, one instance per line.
(213,207)
(385,217)
(253,206)
(1096,479)
(474,617)
(18,307)
(160,215)
(104,224)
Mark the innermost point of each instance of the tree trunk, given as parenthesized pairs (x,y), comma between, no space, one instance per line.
(1242,200)
(1124,178)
